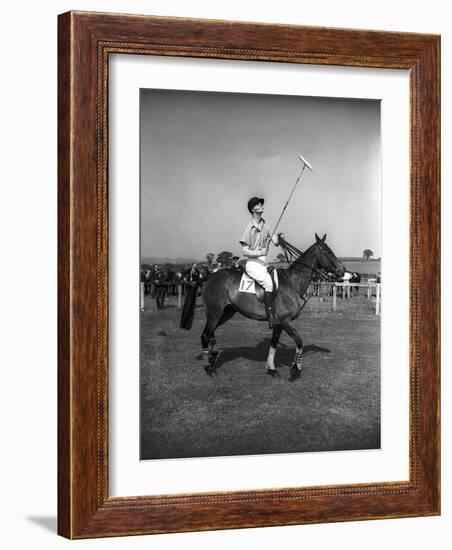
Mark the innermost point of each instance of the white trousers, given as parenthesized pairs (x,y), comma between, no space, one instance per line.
(257,269)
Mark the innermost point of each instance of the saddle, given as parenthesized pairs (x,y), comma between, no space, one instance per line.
(251,286)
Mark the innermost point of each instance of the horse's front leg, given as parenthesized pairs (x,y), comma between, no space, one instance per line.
(271,369)
(296,365)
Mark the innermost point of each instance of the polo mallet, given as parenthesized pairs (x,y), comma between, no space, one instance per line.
(305,164)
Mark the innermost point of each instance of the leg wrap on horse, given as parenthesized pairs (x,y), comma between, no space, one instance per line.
(270,310)
(275,337)
(271,358)
(298,357)
(295,370)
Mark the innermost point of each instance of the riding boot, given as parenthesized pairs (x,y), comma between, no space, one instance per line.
(273,321)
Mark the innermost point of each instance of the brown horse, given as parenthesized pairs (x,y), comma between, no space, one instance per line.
(222,300)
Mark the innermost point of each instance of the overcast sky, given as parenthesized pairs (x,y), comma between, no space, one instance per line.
(204,154)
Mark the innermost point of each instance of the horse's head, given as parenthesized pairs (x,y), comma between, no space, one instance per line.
(326,259)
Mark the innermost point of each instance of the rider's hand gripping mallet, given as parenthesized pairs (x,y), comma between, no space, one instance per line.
(305,164)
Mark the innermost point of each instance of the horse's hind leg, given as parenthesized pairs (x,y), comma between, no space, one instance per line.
(228,313)
(208,340)
(296,365)
(271,369)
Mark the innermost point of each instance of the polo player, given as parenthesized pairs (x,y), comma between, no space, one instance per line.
(254,241)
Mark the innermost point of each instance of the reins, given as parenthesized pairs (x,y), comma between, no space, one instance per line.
(294,258)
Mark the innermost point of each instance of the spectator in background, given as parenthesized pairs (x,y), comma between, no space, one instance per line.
(192,274)
(346,284)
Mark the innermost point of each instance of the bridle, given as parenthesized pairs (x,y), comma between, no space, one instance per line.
(291,250)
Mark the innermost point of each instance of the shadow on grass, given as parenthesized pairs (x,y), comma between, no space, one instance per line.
(259,353)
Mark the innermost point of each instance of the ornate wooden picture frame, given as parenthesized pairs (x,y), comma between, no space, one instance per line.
(86,41)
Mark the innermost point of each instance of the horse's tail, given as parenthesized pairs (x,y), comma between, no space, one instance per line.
(188,311)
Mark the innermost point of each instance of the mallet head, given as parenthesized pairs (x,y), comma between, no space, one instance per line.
(305,162)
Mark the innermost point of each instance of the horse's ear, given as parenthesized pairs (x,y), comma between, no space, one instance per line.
(324,238)
(317,238)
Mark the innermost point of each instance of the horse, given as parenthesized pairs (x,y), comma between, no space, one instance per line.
(222,300)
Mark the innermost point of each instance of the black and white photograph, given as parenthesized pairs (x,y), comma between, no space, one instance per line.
(260,278)
(200,204)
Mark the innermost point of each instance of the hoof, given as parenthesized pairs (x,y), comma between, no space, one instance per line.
(210,367)
(273,373)
(210,370)
(294,373)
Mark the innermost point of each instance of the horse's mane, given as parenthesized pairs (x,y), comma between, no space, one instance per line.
(294,256)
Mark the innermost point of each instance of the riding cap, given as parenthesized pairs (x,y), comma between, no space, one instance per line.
(254,202)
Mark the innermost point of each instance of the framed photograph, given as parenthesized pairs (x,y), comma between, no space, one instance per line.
(248,275)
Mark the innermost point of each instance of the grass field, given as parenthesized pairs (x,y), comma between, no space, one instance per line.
(335,405)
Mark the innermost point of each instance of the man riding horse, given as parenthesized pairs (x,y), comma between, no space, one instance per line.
(223,296)
(255,241)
